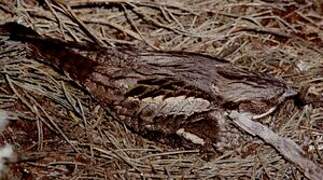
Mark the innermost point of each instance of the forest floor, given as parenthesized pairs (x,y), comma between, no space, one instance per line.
(58,131)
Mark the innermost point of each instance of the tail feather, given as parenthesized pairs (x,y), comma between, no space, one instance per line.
(60,54)
(17,31)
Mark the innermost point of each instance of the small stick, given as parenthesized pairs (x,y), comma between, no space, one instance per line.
(285,146)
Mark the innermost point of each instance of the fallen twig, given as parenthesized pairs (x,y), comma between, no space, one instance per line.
(288,148)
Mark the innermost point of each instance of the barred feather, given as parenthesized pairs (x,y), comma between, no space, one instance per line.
(161,94)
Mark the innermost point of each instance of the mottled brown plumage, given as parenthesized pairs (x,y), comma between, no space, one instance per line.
(178,98)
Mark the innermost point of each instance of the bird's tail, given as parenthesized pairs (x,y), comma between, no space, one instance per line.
(61,54)
(17,31)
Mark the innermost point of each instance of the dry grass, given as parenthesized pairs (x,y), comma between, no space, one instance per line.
(60,132)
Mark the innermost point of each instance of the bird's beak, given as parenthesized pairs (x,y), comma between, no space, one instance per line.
(289,93)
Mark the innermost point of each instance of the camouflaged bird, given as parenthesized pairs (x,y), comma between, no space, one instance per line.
(176,98)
